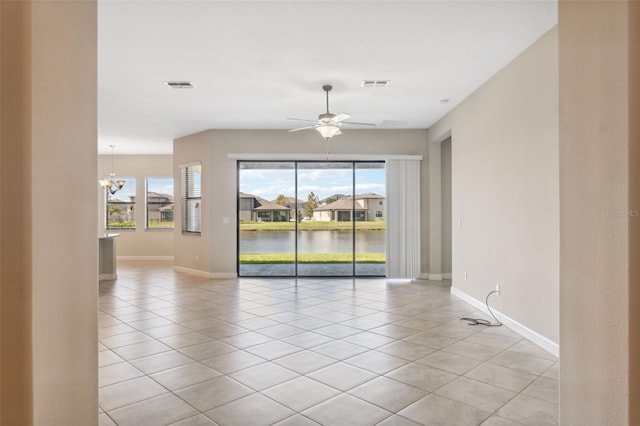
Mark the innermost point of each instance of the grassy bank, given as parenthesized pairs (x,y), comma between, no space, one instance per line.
(278,258)
(311,226)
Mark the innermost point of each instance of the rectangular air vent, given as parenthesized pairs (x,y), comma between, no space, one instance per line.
(179,84)
(375,83)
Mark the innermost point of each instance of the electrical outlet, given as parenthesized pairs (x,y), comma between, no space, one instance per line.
(498,288)
(197,258)
(465,276)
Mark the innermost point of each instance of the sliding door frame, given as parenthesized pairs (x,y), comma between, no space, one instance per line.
(296,222)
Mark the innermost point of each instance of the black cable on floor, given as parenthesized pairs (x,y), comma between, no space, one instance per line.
(480,321)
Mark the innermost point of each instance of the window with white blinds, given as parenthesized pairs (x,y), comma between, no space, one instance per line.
(191,198)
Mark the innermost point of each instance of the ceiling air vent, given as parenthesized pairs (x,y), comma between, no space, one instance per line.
(179,84)
(375,83)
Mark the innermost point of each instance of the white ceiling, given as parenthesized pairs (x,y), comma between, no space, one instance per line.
(255,63)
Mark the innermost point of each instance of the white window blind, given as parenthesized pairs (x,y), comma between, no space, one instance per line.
(191,198)
(403,218)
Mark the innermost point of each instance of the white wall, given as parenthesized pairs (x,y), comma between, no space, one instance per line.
(141,243)
(505,189)
(214,252)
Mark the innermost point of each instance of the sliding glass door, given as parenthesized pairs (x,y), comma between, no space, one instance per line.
(266,219)
(311,218)
(325,236)
(370,240)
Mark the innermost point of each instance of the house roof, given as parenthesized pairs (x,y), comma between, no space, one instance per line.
(369,195)
(159,195)
(292,200)
(269,205)
(344,204)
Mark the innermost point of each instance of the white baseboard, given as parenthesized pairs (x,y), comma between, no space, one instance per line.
(432,277)
(144,257)
(107,277)
(545,343)
(204,274)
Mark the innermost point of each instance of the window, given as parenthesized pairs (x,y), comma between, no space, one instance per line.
(120,211)
(191,198)
(264,216)
(378,213)
(159,203)
(380,202)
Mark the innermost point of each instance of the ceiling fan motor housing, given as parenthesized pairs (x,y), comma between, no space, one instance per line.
(326,117)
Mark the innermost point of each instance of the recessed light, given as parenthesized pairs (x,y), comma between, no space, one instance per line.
(375,83)
(179,84)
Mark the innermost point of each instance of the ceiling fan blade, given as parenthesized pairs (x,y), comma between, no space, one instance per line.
(303,128)
(303,119)
(340,117)
(359,124)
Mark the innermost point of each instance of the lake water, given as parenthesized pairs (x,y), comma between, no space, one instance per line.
(252,242)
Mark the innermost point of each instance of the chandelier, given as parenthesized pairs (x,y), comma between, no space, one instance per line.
(109,183)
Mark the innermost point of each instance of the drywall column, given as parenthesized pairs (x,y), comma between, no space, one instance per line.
(15,208)
(634,201)
(435,212)
(64,244)
(599,212)
(49,255)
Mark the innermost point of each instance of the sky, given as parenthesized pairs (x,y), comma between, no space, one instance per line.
(269,183)
(159,185)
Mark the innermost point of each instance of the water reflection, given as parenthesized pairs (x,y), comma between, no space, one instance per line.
(312,242)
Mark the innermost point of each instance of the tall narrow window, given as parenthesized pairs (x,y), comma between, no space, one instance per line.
(120,207)
(159,203)
(191,198)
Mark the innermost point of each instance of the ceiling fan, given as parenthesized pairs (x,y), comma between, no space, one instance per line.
(328,124)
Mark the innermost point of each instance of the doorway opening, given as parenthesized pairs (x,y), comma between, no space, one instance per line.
(311,218)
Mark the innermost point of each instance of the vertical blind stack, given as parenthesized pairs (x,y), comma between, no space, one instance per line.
(403,218)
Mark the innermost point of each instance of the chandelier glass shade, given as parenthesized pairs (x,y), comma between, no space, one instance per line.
(328,131)
(109,183)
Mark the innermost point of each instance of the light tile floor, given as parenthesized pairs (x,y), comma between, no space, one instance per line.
(182,350)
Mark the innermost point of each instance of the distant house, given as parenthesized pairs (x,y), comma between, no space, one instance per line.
(159,207)
(375,205)
(367,207)
(120,211)
(291,203)
(247,203)
(257,209)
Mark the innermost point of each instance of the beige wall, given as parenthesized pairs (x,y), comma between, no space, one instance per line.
(15,206)
(600,211)
(140,242)
(49,269)
(219,186)
(634,201)
(504,152)
(445,152)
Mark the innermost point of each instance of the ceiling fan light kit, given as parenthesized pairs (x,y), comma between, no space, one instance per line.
(328,131)
(328,124)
